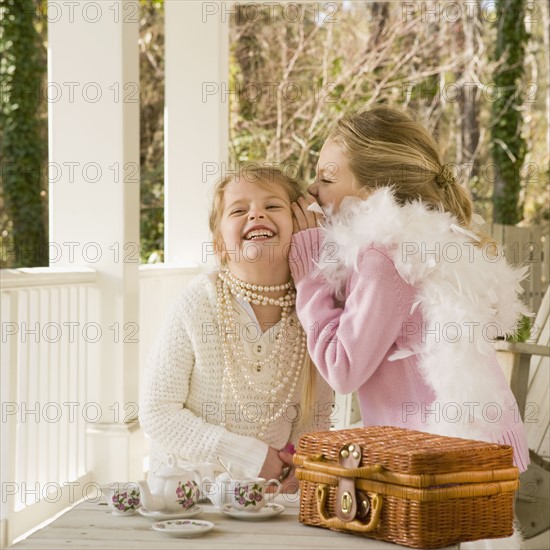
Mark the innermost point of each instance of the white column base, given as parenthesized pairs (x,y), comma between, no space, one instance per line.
(115,452)
(3,533)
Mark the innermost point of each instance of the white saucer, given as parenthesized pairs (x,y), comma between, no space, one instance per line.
(183,527)
(191,513)
(268,511)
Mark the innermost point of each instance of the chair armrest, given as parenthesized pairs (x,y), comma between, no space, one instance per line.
(522,347)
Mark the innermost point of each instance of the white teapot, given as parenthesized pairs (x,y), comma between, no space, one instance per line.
(173,489)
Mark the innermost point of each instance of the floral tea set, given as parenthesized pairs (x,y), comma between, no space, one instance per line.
(174,492)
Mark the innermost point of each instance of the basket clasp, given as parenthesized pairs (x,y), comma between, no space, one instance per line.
(349,457)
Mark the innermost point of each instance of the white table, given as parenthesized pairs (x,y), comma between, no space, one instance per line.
(91,525)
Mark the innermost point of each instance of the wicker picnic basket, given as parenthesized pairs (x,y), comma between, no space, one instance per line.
(407,487)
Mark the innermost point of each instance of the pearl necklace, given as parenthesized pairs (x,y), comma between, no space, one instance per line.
(287,356)
(239,282)
(249,292)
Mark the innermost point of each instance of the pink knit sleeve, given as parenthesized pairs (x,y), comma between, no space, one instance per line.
(348,344)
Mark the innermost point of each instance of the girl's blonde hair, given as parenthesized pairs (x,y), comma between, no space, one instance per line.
(267,177)
(386,147)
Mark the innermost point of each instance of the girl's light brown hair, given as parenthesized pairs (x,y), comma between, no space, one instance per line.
(386,147)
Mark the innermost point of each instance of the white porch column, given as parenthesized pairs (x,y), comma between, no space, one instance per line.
(196,121)
(94,206)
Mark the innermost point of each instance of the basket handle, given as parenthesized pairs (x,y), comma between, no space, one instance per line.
(316,464)
(355,525)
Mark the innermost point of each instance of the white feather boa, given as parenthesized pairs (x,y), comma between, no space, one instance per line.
(465,295)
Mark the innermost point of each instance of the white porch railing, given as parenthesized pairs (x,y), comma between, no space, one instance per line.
(46,336)
(49,358)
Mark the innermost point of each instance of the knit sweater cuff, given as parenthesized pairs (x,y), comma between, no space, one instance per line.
(245,455)
(304,250)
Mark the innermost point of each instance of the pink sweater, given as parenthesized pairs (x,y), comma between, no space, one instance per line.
(350,345)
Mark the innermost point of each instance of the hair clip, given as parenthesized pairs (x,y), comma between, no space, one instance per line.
(445,177)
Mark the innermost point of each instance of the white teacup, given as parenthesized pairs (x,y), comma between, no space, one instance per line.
(122,497)
(249,494)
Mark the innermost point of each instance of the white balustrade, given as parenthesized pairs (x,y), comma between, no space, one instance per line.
(47,334)
(51,348)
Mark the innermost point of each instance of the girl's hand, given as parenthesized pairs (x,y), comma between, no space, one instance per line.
(302,218)
(289,484)
(273,465)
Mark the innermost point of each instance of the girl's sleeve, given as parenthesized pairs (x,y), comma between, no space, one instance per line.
(348,344)
(164,416)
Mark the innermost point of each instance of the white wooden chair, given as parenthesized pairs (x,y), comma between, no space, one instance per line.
(528,370)
(527,366)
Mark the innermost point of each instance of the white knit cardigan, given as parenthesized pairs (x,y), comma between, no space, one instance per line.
(181,395)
